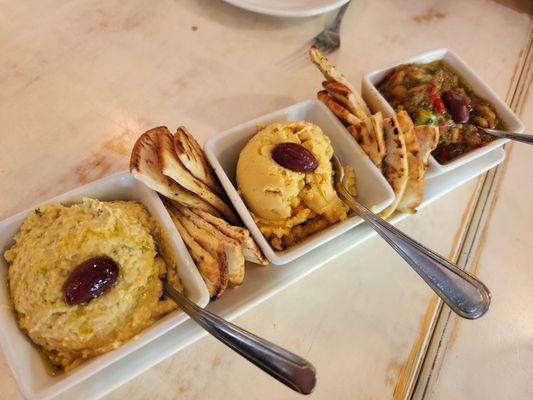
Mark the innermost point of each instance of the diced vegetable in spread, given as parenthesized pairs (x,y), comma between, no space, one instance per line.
(433,94)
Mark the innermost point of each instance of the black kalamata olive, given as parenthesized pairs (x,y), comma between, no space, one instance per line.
(90,279)
(456,106)
(295,157)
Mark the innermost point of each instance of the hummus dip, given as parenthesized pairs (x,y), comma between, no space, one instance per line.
(287,205)
(52,242)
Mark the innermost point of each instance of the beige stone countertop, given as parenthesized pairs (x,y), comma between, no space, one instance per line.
(81,80)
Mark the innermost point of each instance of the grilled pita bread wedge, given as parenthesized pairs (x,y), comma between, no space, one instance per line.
(144,166)
(395,166)
(232,248)
(414,190)
(251,252)
(345,116)
(193,158)
(343,95)
(331,74)
(172,167)
(207,264)
(209,243)
(369,135)
(428,138)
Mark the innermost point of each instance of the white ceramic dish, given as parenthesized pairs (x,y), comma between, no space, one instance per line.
(261,284)
(374,192)
(377,102)
(26,362)
(288,8)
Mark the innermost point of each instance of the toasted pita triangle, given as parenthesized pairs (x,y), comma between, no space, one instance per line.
(331,74)
(209,243)
(172,167)
(193,158)
(208,265)
(428,138)
(369,135)
(345,116)
(414,190)
(395,166)
(343,95)
(251,251)
(144,166)
(232,248)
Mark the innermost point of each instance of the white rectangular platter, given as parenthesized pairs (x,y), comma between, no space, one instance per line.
(262,283)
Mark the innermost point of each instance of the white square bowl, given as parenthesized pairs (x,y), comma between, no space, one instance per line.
(374,191)
(25,360)
(377,102)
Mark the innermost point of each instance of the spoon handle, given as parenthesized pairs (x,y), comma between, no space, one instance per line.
(463,293)
(286,367)
(519,137)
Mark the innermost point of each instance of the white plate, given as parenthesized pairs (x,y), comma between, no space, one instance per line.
(373,190)
(377,102)
(24,359)
(288,8)
(261,284)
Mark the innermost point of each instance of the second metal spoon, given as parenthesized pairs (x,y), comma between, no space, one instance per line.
(286,367)
(463,293)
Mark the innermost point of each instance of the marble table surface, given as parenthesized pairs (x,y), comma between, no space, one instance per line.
(82,79)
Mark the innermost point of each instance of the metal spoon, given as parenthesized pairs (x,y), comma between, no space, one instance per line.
(463,293)
(286,367)
(519,137)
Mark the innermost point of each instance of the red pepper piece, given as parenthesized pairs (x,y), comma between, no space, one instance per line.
(444,154)
(438,105)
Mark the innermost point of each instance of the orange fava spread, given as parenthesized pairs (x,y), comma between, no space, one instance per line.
(288,205)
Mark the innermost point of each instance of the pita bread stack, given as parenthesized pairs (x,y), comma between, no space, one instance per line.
(174,165)
(395,146)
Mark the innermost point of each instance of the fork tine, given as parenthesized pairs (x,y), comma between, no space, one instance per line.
(326,41)
(296,55)
(297,63)
(292,59)
(299,58)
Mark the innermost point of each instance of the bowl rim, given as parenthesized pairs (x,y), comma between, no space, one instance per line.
(102,361)
(319,238)
(369,81)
